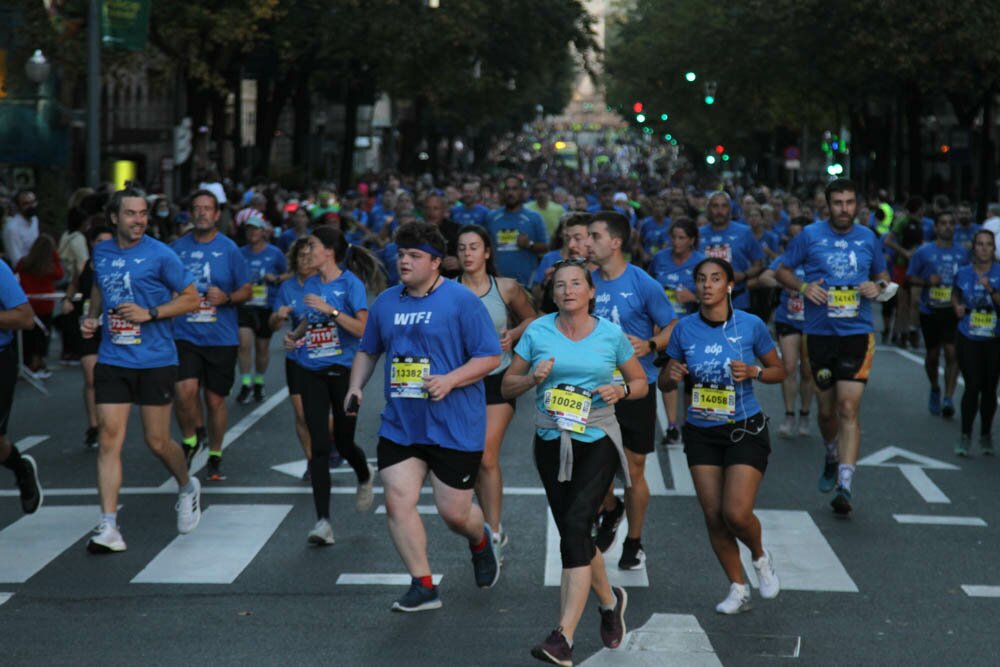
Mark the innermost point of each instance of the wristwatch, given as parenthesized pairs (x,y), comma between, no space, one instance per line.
(652,345)
(335,314)
(154,313)
(760,374)
(628,390)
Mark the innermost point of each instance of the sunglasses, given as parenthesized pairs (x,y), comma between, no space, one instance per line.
(573,261)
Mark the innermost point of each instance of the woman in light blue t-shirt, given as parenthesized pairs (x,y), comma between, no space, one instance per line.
(569,358)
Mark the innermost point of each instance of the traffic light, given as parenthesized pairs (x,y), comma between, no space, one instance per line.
(637,107)
(709,100)
(710,159)
(690,77)
(668,137)
(664,116)
(720,149)
(725,157)
(640,118)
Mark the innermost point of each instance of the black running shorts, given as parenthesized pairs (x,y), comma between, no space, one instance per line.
(836,358)
(255,319)
(939,327)
(715,446)
(8,380)
(140,386)
(212,365)
(637,419)
(455,468)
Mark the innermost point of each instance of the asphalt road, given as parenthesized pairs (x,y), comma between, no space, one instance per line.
(246,589)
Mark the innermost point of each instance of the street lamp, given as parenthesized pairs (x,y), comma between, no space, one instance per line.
(37,68)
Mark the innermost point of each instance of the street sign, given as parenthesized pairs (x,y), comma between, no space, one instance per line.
(792,153)
(792,165)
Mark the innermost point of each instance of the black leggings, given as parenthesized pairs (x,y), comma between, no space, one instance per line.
(321,391)
(980,365)
(575,503)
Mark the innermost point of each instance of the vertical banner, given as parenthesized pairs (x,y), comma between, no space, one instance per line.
(125,23)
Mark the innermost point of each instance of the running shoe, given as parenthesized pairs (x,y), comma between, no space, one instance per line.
(322,533)
(418,598)
(986,445)
(246,392)
(803,426)
(672,436)
(43,373)
(767,578)
(934,402)
(633,557)
(258,393)
(90,438)
(555,650)
(613,620)
(737,601)
(366,494)
(485,564)
(500,543)
(828,478)
(787,427)
(608,524)
(948,408)
(28,485)
(963,445)
(841,502)
(189,508)
(213,473)
(106,539)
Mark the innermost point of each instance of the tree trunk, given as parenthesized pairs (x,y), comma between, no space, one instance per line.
(986,177)
(271,97)
(914,140)
(302,150)
(350,135)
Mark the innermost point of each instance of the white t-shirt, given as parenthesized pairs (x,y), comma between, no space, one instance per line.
(993,224)
(18,237)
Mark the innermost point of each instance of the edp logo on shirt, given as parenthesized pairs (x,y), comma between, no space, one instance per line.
(713,349)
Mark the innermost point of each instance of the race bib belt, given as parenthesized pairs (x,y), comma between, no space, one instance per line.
(843,301)
(674,301)
(796,308)
(206,312)
(258,296)
(122,331)
(569,406)
(720,251)
(714,402)
(983,323)
(322,340)
(940,296)
(406,377)
(507,239)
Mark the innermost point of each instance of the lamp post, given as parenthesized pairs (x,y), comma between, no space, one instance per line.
(93,164)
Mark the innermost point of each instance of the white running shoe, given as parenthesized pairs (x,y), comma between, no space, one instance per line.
(189,508)
(737,601)
(770,585)
(106,539)
(804,426)
(322,533)
(500,540)
(366,493)
(787,427)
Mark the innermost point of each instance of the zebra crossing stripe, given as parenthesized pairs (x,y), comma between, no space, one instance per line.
(34,541)
(617,577)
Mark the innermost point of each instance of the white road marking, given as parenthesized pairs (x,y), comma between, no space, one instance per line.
(381,579)
(683,484)
(654,475)
(923,485)
(617,577)
(665,639)
(4,597)
(931,520)
(33,541)
(981,591)
(219,549)
(208,489)
(421,509)
(241,427)
(26,443)
(803,559)
(912,357)
(912,466)
(297,468)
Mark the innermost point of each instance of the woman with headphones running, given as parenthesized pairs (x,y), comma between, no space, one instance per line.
(725,435)
(505,300)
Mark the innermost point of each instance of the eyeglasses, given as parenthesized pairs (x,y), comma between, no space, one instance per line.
(571,261)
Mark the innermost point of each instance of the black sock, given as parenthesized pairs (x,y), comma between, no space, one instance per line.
(14,460)
(789,414)
(633,540)
(803,413)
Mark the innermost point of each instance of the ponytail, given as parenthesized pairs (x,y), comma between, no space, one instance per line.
(362,263)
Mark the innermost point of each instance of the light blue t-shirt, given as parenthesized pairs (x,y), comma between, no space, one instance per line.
(146,274)
(791,310)
(326,343)
(218,263)
(672,275)
(269,260)
(292,293)
(587,363)
(843,261)
(635,302)
(735,244)
(931,259)
(446,328)
(980,309)
(708,350)
(505,228)
(11,296)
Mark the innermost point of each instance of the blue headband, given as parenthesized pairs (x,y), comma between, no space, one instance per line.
(426,247)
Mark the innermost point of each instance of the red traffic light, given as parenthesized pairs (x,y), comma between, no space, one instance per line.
(637,107)
(720,149)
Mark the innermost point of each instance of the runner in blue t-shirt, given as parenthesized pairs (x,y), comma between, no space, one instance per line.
(328,336)
(570,358)
(732,242)
(654,231)
(267,268)
(439,344)
(845,270)
(207,339)
(726,438)
(139,284)
(518,234)
(975,297)
(470,210)
(965,228)
(632,299)
(15,314)
(932,268)
(673,268)
(298,229)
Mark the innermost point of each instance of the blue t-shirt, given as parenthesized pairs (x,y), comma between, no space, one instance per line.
(672,275)
(587,363)
(505,227)
(388,255)
(292,293)
(931,259)
(964,235)
(470,215)
(11,296)
(447,328)
(290,236)
(326,343)
(269,260)
(791,307)
(708,350)
(548,259)
(655,237)
(842,260)
(980,321)
(636,303)
(146,274)
(218,263)
(735,244)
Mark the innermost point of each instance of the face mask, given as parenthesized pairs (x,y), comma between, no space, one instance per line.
(162,214)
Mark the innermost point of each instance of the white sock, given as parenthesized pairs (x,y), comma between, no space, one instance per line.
(189,487)
(110,518)
(831,450)
(845,474)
